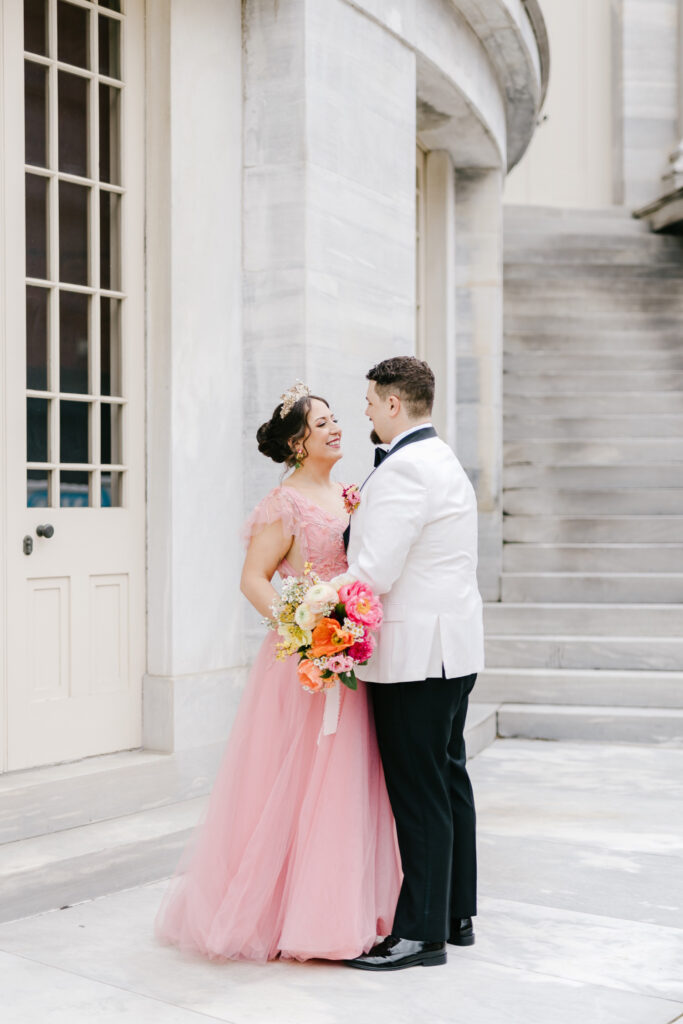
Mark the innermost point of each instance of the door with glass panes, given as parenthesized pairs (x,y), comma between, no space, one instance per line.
(72,279)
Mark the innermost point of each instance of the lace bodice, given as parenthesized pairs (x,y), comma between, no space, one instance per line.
(319,533)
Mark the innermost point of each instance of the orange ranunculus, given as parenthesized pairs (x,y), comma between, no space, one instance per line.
(330,638)
(310,676)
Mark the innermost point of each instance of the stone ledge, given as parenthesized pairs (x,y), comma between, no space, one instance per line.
(665,213)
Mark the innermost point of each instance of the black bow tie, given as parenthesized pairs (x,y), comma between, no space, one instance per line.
(380,456)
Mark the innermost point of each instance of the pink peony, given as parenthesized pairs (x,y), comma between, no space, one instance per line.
(361,604)
(363,649)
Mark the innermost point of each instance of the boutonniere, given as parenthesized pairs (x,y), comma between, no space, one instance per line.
(351,496)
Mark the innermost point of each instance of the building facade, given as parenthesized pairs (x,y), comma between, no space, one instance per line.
(202,202)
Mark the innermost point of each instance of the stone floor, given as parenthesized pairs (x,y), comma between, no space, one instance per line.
(581,920)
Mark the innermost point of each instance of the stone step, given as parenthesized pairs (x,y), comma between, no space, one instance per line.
(539,220)
(481,727)
(560,529)
(599,724)
(520,426)
(66,862)
(613,502)
(612,588)
(630,558)
(589,687)
(508,619)
(594,290)
(600,409)
(589,382)
(58,797)
(557,360)
(578,321)
(62,868)
(641,653)
(595,478)
(623,452)
(638,343)
(581,251)
(578,275)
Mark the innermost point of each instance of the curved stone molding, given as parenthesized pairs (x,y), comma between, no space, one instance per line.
(482,73)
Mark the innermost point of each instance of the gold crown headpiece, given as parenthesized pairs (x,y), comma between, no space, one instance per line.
(292,395)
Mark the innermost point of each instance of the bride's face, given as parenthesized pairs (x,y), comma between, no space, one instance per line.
(324,442)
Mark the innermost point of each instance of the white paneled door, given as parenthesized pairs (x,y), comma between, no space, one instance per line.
(72,322)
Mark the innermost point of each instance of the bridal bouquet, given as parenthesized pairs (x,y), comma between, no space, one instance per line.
(329,625)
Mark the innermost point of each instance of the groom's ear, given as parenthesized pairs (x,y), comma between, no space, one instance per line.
(394,405)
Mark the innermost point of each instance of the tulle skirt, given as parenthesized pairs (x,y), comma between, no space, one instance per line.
(297,853)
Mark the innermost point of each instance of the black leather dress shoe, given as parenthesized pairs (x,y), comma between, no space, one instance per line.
(394,954)
(462,932)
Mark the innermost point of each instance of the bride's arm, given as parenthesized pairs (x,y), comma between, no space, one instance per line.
(265,552)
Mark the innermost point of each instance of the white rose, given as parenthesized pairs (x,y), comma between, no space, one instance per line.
(341,581)
(305,617)
(319,596)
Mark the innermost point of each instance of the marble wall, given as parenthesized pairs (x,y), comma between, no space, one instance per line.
(329,218)
(194,370)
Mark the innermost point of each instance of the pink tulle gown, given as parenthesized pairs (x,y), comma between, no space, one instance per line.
(297,855)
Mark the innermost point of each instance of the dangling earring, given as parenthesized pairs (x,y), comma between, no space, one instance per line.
(299,458)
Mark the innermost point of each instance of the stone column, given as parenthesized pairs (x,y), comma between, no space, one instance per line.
(646,95)
(194,372)
(479,369)
(674,177)
(329,212)
(439,293)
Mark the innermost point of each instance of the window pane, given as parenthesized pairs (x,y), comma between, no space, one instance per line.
(112,490)
(73,427)
(73,232)
(72,34)
(73,342)
(110,99)
(112,5)
(110,235)
(36,429)
(109,46)
(35,114)
(35,26)
(72,114)
(38,488)
(36,337)
(111,435)
(110,351)
(74,488)
(36,226)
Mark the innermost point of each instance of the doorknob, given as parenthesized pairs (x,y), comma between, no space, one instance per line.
(45,531)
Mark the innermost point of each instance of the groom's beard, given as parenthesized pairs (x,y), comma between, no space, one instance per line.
(375,438)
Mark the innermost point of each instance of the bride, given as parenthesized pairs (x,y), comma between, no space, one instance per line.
(296,856)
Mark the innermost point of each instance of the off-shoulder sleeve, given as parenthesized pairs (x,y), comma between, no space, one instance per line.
(277,506)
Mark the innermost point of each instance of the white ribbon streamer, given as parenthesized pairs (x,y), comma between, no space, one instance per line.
(331,710)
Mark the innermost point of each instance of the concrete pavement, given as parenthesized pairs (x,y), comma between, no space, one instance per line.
(581,919)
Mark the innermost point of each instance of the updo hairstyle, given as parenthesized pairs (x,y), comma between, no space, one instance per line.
(280,437)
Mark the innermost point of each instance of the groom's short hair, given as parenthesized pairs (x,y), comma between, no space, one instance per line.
(409,378)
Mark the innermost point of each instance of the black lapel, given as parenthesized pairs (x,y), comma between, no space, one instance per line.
(417,435)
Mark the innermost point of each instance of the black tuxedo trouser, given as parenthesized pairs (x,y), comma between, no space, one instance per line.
(420,734)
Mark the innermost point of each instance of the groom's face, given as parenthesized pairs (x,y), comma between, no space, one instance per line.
(378,411)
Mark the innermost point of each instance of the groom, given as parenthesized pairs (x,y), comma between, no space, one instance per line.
(414,541)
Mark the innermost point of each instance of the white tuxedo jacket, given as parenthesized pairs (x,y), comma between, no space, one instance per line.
(414,541)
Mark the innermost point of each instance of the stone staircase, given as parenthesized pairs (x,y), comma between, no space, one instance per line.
(587,640)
